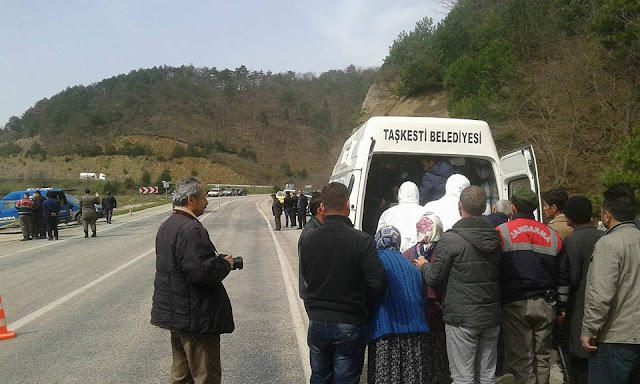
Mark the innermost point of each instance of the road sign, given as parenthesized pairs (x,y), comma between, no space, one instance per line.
(148,190)
(165,184)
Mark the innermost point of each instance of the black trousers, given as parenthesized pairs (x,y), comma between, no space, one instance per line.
(37,226)
(52,227)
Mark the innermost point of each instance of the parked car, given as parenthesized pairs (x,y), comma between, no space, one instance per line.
(227,192)
(242,192)
(9,212)
(214,192)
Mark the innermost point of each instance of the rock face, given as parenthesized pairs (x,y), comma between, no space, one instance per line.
(381,100)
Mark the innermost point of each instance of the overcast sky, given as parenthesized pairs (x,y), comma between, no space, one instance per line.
(46,46)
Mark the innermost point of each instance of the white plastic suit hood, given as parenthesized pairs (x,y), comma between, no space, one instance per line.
(446,208)
(405,215)
(408,193)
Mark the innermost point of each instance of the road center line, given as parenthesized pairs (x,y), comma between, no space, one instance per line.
(295,305)
(34,315)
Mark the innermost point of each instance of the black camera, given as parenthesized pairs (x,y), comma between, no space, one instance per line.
(238,262)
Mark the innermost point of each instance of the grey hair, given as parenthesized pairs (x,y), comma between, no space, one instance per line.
(185,188)
(473,199)
(504,207)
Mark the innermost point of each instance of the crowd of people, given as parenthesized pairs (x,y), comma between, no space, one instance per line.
(468,296)
(444,293)
(38,216)
(294,208)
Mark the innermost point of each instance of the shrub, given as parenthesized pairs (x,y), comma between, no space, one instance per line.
(10,149)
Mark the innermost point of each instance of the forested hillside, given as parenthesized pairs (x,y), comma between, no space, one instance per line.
(563,75)
(266,127)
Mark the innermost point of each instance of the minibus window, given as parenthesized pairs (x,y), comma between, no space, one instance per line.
(523,182)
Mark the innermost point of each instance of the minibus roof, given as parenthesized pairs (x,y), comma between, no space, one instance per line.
(417,135)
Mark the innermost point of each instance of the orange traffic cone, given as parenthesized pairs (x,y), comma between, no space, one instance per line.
(4,332)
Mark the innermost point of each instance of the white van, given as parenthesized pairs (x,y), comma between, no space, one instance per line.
(386,151)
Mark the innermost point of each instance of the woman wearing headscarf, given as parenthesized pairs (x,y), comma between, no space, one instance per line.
(429,229)
(397,329)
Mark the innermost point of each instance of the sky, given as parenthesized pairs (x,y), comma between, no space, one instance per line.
(47,46)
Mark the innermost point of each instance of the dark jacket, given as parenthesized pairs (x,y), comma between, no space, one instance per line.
(467,263)
(87,205)
(530,258)
(433,182)
(302,204)
(276,207)
(37,205)
(51,205)
(578,247)
(312,224)
(188,294)
(497,218)
(109,202)
(342,269)
(289,203)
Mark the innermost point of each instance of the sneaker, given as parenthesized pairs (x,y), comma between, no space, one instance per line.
(56,238)
(86,235)
(51,238)
(94,235)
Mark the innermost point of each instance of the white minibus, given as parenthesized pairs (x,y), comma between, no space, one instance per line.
(385,151)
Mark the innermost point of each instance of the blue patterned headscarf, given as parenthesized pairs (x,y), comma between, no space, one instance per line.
(388,237)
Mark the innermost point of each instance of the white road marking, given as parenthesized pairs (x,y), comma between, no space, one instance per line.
(299,316)
(79,236)
(34,315)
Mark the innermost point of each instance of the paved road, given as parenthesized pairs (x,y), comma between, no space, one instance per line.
(81,306)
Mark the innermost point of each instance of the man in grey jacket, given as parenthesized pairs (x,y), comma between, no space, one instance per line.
(610,328)
(467,263)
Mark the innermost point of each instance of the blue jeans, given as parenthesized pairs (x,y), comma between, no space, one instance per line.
(615,363)
(336,351)
(287,215)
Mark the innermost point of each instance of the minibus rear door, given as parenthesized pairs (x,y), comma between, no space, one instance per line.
(519,168)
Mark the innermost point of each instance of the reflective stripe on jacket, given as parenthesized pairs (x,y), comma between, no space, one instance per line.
(530,262)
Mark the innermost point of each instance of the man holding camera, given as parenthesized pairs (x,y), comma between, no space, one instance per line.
(189,298)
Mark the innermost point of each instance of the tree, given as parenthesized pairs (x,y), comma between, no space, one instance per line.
(164,176)
(14,124)
(145,179)
(178,152)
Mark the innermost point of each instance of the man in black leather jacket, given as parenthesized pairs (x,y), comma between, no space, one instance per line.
(189,298)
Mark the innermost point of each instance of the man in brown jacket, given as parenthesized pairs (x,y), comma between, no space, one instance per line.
(552,208)
(610,328)
(89,216)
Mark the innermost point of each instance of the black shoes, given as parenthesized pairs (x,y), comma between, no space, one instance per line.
(86,235)
(94,234)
